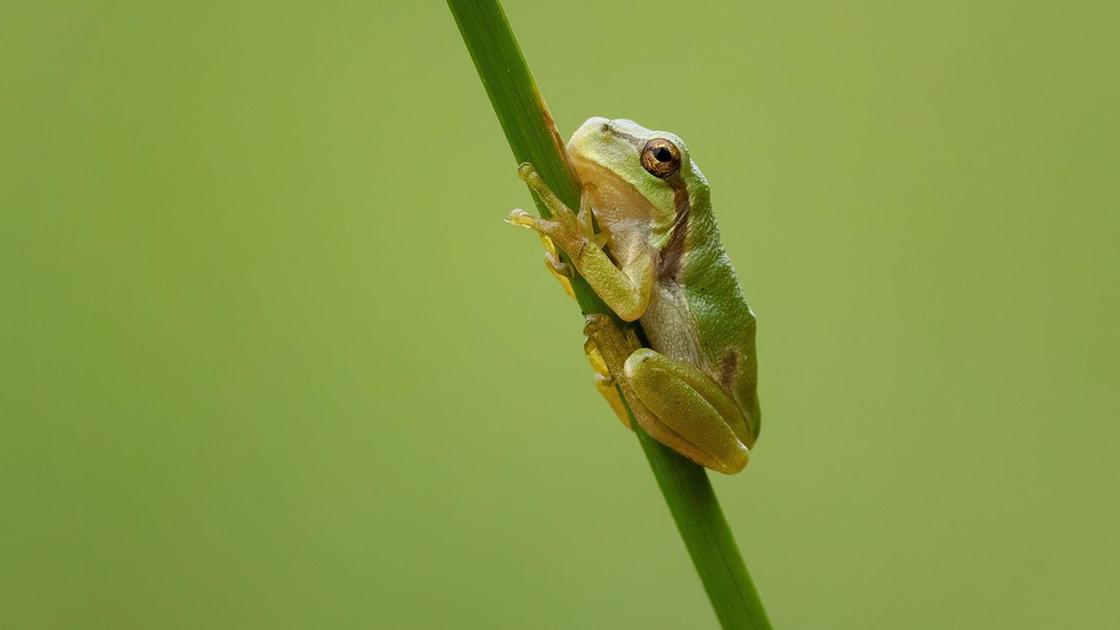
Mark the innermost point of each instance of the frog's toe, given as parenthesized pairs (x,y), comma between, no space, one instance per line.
(526,171)
(520,218)
(596,324)
(557,266)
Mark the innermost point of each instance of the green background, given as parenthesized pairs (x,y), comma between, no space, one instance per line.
(269,357)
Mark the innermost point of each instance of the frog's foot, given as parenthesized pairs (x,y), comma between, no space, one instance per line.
(554,263)
(559,269)
(605,383)
(557,232)
(567,230)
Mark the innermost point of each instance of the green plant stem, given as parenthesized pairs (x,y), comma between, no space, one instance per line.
(533,138)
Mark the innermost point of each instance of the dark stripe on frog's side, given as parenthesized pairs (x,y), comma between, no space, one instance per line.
(729,369)
(669,267)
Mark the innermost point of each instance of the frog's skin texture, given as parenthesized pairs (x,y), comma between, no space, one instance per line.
(657,259)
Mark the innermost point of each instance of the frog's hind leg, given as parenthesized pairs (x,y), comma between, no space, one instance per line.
(615,346)
(676,403)
(694,406)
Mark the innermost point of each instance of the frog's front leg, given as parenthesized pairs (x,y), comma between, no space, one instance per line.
(676,403)
(625,290)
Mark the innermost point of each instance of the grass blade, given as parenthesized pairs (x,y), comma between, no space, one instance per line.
(533,138)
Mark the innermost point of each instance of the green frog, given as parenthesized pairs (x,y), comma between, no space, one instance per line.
(646,240)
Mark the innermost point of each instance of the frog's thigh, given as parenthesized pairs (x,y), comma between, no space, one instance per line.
(692,405)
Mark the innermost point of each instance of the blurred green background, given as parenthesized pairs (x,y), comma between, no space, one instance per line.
(269,357)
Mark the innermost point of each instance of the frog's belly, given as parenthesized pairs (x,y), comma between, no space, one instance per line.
(669,326)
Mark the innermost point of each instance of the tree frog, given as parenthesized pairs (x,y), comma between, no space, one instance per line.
(656,258)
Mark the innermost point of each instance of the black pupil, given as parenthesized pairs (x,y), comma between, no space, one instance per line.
(662,154)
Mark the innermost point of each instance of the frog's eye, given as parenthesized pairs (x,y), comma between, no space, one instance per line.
(661,158)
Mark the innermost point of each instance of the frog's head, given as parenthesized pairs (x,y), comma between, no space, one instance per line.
(630,169)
